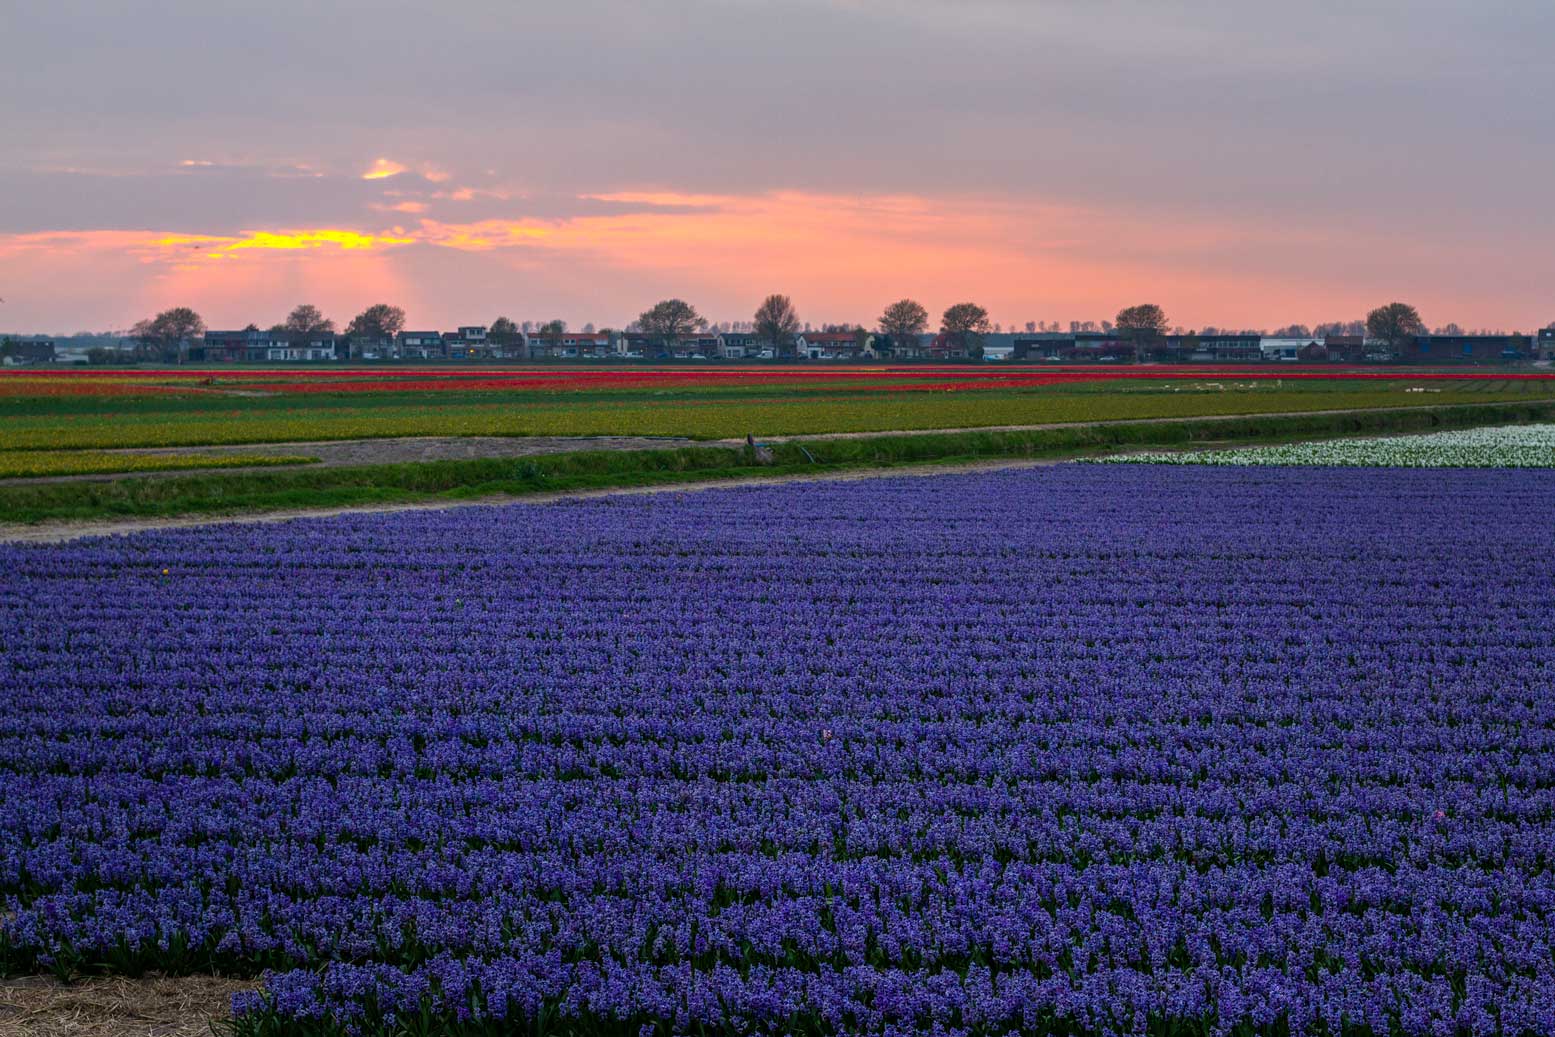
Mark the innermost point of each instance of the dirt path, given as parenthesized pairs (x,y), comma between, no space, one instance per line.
(60,532)
(154,1006)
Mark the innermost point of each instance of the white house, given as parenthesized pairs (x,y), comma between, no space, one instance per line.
(1287,349)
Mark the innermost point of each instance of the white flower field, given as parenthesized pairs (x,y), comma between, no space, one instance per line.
(1508,446)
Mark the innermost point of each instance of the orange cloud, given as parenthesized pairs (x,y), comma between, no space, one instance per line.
(382,169)
(346,239)
(1023,259)
(219,246)
(485,235)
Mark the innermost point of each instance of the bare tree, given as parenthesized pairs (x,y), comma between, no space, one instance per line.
(166,336)
(903,321)
(965,324)
(307,320)
(1394,324)
(1144,321)
(502,334)
(777,323)
(1340,327)
(670,321)
(552,331)
(1140,326)
(378,323)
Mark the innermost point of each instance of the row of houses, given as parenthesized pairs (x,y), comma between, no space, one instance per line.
(1254,348)
(474,342)
(252,345)
(18,352)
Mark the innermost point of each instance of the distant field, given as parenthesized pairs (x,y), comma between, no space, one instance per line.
(26,464)
(94,411)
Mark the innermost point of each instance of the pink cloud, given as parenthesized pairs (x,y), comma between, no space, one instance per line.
(842,257)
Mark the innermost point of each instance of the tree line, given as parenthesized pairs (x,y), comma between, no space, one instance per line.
(167,335)
(775,324)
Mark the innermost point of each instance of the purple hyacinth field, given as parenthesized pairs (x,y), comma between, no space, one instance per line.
(1078,750)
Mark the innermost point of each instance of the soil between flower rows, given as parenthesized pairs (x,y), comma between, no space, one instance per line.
(153,1006)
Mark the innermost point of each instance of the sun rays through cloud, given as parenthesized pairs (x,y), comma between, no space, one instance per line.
(843,254)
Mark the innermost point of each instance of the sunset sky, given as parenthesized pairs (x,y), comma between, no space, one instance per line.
(1241,163)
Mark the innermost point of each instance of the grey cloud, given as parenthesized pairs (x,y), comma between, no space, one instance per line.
(204,199)
(228,199)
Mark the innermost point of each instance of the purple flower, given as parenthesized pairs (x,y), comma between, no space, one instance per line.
(1081,749)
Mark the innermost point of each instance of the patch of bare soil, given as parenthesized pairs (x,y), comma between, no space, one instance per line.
(153,1006)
